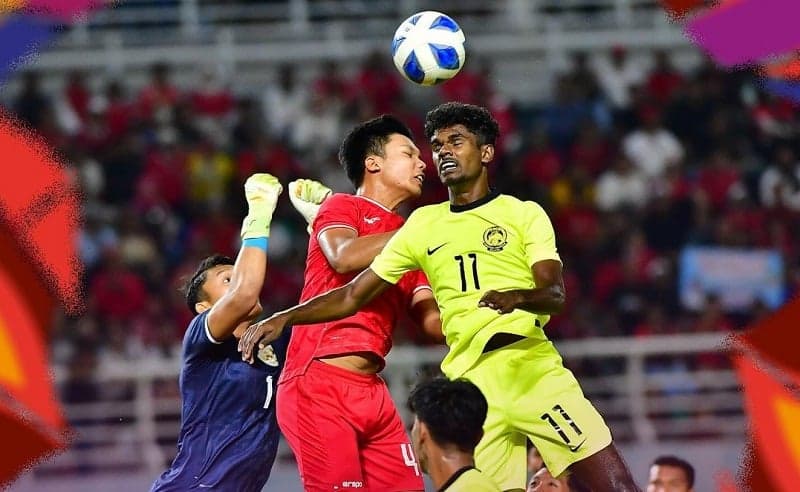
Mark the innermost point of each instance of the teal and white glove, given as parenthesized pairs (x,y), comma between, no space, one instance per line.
(307,196)
(261,191)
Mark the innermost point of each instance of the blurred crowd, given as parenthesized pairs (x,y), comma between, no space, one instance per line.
(632,158)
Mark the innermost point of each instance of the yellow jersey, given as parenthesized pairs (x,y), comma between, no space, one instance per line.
(465,251)
(469,479)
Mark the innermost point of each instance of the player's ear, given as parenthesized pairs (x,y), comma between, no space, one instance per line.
(202,306)
(487,153)
(372,164)
(424,434)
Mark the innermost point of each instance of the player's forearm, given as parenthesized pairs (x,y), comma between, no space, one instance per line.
(338,303)
(334,305)
(249,270)
(247,278)
(358,253)
(544,300)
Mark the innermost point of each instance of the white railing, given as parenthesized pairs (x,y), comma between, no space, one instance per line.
(125,40)
(641,405)
(182,20)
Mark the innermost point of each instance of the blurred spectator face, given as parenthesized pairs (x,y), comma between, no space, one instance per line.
(30,82)
(579,60)
(623,165)
(785,157)
(651,118)
(286,77)
(400,167)
(662,61)
(618,56)
(160,74)
(664,478)
(542,481)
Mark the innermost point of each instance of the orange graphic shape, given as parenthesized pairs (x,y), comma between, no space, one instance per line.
(7,6)
(771,409)
(26,342)
(10,371)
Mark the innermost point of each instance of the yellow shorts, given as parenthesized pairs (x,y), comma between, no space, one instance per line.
(531,394)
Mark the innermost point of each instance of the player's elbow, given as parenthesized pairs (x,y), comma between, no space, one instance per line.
(558,299)
(341,267)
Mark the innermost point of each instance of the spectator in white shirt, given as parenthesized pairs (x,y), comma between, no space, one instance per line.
(621,186)
(283,102)
(652,147)
(618,76)
(779,186)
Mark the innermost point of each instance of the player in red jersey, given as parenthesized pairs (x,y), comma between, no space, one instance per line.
(333,407)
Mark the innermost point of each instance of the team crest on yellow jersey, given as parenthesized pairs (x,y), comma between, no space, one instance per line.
(495,238)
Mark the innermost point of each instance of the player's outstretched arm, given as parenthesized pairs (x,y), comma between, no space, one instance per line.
(548,297)
(425,312)
(240,303)
(336,304)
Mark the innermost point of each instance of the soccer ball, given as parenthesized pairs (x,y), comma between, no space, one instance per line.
(428,48)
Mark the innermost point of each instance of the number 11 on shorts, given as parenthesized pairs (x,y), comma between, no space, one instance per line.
(409,458)
(564,416)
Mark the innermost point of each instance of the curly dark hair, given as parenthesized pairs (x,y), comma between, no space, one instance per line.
(193,289)
(454,411)
(368,138)
(476,119)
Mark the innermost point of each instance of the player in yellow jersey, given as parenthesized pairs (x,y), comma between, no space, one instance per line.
(448,424)
(492,263)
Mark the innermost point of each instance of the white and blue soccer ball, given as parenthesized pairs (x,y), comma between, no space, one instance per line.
(428,48)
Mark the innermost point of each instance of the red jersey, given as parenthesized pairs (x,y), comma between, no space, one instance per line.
(370,329)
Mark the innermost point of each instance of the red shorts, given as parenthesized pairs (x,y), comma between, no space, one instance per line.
(345,432)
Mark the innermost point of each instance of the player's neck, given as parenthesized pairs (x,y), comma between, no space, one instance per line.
(469,192)
(377,192)
(445,464)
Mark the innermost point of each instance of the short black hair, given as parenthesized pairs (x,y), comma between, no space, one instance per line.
(670,460)
(193,289)
(368,138)
(454,411)
(476,119)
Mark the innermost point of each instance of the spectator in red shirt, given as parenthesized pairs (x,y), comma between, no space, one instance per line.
(77,94)
(468,86)
(330,82)
(590,150)
(717,178)
(377,81)
(117,291)
(163,179)
(216,232)
(268,155)
(540,161)
(664,80)
(120,113)
(159,97)
(212,98)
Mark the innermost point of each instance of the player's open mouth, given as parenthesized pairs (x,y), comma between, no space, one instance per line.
(447,165)
(420,178)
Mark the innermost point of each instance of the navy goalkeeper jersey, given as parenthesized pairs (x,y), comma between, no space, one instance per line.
(229,434)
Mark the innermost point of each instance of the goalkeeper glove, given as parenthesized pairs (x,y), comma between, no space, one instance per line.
(307,195)
(261,191)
